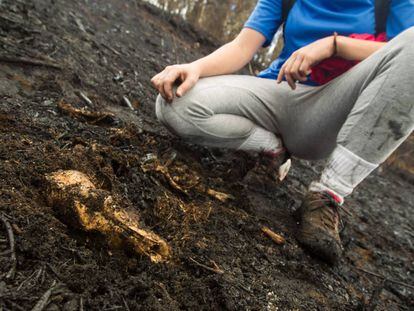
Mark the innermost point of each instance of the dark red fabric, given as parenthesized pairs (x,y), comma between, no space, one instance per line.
(333,67)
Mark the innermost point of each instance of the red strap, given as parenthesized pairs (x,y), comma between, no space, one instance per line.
(333,67)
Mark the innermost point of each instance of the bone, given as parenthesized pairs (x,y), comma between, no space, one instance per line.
(85,207)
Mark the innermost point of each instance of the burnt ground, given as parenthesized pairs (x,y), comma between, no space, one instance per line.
(108,49)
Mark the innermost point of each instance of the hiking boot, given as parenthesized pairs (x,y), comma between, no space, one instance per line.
(319,221)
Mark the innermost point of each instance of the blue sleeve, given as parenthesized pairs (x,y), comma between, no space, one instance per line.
(400,18)
(266,18)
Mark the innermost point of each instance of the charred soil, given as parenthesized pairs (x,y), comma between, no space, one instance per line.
(75,95)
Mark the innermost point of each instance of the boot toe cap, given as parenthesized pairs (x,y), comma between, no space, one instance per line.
(321,245)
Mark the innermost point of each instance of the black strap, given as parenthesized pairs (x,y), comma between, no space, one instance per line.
(286,7)
(382,8)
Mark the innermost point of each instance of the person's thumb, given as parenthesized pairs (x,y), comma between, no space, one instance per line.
(186,86)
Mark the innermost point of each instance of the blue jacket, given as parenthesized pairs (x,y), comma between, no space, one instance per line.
(310,20)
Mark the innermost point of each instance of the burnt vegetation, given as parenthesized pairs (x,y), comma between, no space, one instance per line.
(75,96)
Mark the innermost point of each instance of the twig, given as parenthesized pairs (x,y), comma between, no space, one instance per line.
(216,269)
(81,303)
(386,279)
(222,197)
(164,171)
(111,49)
(128,103)
(54,271)
(277,238)
(125,303)
(44,300)
(13,258)
(26,280)
(28,61)
(39,274)
(80,25)
(84,97)
(78,22)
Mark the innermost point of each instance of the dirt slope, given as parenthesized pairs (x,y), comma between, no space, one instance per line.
(109,49)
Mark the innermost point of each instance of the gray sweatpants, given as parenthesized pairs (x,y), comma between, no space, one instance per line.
(369,109)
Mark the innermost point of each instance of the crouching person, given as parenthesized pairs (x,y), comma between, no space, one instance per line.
(340,90)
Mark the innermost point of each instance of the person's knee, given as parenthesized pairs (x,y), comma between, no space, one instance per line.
(409,33)
(160,104)
(407,39)
(178,117)
(167,115)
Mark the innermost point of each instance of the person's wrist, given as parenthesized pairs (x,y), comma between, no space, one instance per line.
(196,68)
(340,42)
(330,46)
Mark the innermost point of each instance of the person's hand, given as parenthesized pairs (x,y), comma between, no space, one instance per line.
(187,75)
(299,64)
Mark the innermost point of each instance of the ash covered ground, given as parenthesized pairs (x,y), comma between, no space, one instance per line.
(56,53)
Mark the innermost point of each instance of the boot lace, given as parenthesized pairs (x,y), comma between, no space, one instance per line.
(330,210)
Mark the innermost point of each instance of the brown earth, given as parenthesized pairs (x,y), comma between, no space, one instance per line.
(221,260)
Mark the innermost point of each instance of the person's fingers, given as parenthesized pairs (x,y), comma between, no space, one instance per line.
(160,85)
(187,84)
(156,77)
(283,70)
(288,73)
(168,84)
(294,71)
(281,74)
(167,90)
(303,78)
(155,81)
(163,93)
(304,69)
(290,81)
